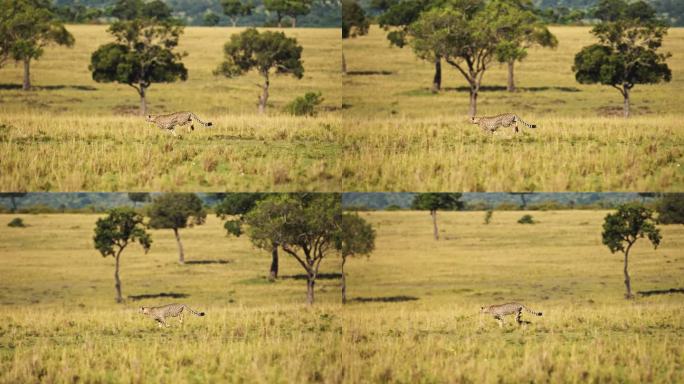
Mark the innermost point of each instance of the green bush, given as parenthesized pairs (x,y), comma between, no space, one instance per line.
(526,219)
(16,223)
(305,105)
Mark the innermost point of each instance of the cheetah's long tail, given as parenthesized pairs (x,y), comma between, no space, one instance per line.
(521,120)
(532,312)
(197,119)
(192,311)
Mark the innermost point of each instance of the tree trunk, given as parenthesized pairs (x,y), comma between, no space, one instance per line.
(310,289)
(274,263)
(434,224)
(625,107)
(14,204)
(143,102)
(344,64)
(280,21)
(234,21)
(437,80)
(264,95)
(472,111)
(181,258)
(511,80)
(294,22)
(524,202)
(628,284)
(117,281)
(27,74)
(344,282)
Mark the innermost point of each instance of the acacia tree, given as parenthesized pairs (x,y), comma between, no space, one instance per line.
(305,225)
(113,233)
(354,23)
(235,9)
(623,228)
(234,207)
(264,52)
(176,211)
(355,237)
(464,35)
(398,16)
(26,28)
(521,29)
(290,8)
(436,201)
(142,54)
(627,53)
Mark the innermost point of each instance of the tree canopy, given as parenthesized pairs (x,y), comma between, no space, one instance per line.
(627,53)
(355,237)
(623,228)
(465,35)
(437,201)
(304,224)
(290,8)
(235,9)
(142,54)
(265,52)
(175,211)
(670,208)
(26,28)
(114,232)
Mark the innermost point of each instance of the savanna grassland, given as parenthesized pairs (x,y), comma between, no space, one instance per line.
(429,330)
(73,134)
(59,321)
(400,136)
(412,315)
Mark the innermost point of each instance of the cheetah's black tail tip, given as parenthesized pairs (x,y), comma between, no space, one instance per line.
(209,124)
(201,313)
(539,314)
(533,126)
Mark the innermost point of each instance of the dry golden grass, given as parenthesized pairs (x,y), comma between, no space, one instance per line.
(398,136)
(72,134)
(412,315)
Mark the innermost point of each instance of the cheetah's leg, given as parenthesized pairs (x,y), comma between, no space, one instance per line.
(518,317)
(500,320)
(180,318)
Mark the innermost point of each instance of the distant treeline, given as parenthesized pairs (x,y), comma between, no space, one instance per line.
(324,13)
(573,12)
(502,201)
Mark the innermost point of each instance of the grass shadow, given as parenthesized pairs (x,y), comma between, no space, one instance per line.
(384,299)
(6,86)
(369,73)
(203,262)
(661,292)
(321,276)
(173,295)
(498,88)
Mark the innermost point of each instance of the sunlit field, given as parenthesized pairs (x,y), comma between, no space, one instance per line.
(59,320)
(400,136)
(72,134)
(414,318)
(412,315)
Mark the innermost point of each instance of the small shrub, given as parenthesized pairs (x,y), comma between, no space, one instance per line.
(393,207)
(305,105)
(488,216)
(526,219)
(16,223)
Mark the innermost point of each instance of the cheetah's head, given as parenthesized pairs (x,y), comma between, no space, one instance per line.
(474,120)
(149,118)
(144,310)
